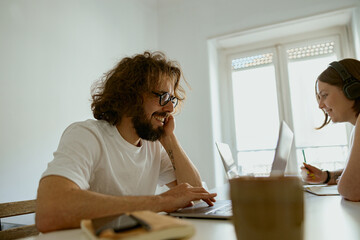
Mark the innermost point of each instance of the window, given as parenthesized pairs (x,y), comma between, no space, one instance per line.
(277,83)
(254,104)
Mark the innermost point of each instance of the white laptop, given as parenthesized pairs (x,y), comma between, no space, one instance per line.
(227,159)
(282,153)
(222,208)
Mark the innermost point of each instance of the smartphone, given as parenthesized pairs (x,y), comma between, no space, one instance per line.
(118,223)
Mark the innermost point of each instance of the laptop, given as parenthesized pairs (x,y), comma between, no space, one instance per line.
(227,159)
(282,153)
(222,209)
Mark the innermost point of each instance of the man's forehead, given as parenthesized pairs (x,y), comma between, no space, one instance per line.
(165,84)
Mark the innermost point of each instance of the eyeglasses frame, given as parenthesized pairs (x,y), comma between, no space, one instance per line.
(170,98)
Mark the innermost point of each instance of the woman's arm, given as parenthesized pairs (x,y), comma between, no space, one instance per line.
(349,183)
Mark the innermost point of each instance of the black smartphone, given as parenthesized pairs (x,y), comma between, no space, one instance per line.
(118,223)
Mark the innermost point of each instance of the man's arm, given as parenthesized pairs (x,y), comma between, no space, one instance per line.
(185,171)
(61,204)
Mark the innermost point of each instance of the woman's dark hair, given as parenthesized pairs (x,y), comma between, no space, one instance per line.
(332,77)
(121,90)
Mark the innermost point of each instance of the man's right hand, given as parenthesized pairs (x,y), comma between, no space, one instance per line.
(182,196)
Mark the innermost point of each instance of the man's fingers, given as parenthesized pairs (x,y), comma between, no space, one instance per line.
(202,196)
(209,202)
(196,189)
(199,190)
(205,195)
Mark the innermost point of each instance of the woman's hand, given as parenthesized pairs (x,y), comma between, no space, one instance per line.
(313,175)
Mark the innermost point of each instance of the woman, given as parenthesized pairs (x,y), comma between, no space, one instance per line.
(338,94)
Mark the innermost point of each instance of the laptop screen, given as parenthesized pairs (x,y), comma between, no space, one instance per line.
(228,160)
(282,153)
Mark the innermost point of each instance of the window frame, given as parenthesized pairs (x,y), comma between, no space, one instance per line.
(278,47)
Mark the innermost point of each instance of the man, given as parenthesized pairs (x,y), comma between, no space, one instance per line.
(113,164)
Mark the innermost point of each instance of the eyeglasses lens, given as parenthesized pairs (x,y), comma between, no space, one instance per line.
(165,98)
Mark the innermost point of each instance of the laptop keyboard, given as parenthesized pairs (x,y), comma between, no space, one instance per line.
(226,210)
(222,210)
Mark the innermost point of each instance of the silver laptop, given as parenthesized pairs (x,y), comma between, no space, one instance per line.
(222,208)
(283,148)
(282,153)
(227,159)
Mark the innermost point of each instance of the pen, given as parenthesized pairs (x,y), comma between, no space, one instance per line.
(303,152)
(307,171)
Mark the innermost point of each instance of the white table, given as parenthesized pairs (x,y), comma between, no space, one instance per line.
(326,217)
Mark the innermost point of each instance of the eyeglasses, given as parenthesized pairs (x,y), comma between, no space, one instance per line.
(165,97)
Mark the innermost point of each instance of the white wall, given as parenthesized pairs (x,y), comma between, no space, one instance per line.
(356,31)
(185,26)
(51,51)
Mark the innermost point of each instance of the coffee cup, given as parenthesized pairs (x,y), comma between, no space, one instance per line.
(267,208)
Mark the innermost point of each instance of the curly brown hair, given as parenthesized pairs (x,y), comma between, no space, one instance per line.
(332,77)
(120,91)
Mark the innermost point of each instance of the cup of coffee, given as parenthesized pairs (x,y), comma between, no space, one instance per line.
(268,208)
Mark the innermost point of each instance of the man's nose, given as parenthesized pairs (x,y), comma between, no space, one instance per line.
(169,107)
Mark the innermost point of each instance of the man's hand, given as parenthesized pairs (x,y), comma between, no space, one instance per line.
(169,125)
(182,196)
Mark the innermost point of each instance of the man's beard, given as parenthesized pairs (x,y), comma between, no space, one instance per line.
(144,128)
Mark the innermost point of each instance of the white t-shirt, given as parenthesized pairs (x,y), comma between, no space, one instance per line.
(351,143)
(94,155)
